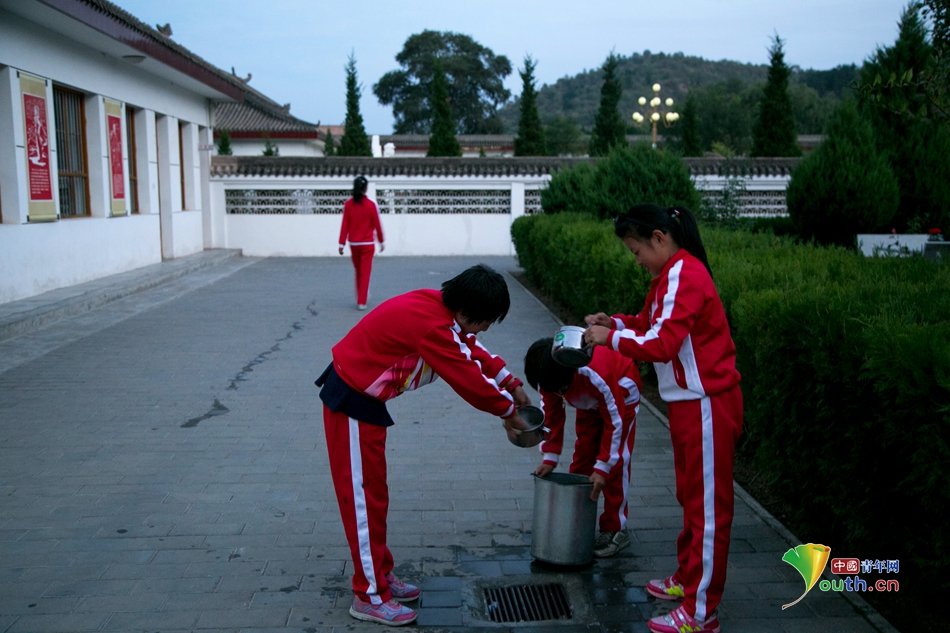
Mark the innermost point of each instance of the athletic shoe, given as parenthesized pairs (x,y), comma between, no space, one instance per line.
(666,589)
(360,306)
(678,621)
(402,591)
(390,613)
(609,543)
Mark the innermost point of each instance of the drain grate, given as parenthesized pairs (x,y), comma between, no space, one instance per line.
(526,603)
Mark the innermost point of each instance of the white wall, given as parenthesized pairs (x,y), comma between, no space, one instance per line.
(286,147)
(35,258)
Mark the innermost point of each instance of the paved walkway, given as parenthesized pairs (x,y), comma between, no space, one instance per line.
(163,468)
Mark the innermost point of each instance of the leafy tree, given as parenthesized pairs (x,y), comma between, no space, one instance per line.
(329,147)
(689,139)
(564,137)
(270,149)
(774,131)
(354,141)
(475,85)
(442,142)
(844,187)
(725,114)
(224,143)
(916,148)
(530,139)
(609,128)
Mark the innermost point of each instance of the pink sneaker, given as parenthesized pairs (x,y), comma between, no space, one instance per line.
(402,591)
(678,621)
(666,589)
(390,613)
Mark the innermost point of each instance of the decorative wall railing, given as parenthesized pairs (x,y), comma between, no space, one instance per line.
(444,201)
(285,201)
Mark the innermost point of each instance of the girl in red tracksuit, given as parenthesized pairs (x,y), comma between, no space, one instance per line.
(362,227)
(406,343)
(606,394)
(683,331)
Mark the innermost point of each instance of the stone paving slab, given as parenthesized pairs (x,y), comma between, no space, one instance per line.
(163,468)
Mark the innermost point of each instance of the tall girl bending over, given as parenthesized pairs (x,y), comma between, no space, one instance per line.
(682,330)
(362,227)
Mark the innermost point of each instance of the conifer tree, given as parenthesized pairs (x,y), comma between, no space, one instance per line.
(354,141)
(530,140)
(270,149)
(609,129)
(774,132)
(329,149)
(689,138)
(442,142)
(224,143)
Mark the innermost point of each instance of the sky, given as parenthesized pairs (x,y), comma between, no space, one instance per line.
(296,50)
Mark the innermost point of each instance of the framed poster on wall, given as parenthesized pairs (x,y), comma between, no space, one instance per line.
(41,206)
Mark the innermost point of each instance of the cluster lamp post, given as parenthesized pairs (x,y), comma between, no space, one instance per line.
(655,115)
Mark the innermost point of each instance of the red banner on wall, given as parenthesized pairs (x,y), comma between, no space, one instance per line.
(115,156)
(37,148)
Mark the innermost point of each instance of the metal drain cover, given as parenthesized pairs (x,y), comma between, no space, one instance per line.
(526,603)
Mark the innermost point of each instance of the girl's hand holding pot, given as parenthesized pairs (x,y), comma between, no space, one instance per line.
(514,424)
(600,318)
(596,335)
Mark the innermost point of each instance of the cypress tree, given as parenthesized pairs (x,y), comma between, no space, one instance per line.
(329,149)
(442,142)
(609,129)
(354,141)
(774,132)
(270,149)
(689,139)
(530,140)
(224,143)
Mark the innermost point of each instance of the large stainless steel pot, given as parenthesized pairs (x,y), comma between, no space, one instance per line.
(569,348)
(564,520)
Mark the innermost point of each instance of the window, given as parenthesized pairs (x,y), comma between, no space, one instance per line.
(133,164)
(70,113)
(181,163)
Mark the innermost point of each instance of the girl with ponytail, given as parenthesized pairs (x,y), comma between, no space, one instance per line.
(683,331)
(362,228)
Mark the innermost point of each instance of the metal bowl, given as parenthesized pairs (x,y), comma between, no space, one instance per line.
(536,431)
(569,348)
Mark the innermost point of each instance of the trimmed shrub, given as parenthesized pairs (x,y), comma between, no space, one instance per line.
(845,187)
(845,365)
(628,176)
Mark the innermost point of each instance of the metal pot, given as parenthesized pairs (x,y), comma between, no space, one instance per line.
(569,348)
(536,431)
(564,519)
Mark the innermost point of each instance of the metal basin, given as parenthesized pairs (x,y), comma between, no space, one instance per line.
(564,520)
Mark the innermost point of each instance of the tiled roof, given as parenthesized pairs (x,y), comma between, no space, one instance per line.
(465,140)
(735,167)
(309,167)
(252,116)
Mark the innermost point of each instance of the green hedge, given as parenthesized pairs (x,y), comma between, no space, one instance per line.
(846,375)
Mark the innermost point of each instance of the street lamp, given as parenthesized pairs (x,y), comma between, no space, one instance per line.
(656,116)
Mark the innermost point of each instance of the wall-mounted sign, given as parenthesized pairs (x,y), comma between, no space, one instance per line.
(36,141)
(116,171)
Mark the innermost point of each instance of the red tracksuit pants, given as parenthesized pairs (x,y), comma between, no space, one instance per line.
(589,428)
(358,466)
(704,434)
(362,257)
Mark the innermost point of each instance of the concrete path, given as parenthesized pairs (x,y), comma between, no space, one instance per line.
(163,468)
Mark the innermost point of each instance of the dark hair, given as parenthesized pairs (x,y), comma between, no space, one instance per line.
(479,293)
(642,219)
(540,368)
(359,187)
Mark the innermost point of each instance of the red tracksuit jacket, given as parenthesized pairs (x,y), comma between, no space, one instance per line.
(683,331)
(408,342)
(611,385)
(360,220)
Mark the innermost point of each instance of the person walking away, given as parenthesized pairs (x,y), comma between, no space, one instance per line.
(606,394)
(403,344)
(361,226)
(683,331)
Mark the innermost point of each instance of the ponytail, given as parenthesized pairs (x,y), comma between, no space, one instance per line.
(359,187)
(679,222)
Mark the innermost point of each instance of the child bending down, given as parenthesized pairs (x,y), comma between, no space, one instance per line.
(606,394)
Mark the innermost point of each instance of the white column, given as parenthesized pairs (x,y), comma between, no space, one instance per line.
(169,180)
(205,147)
(517,205)
(146,158)
(192,165)
(13,192)
(219,225)
(125,161)
(97,149)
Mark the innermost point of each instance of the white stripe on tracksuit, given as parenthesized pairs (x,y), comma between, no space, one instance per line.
(709,508)
(362,518)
